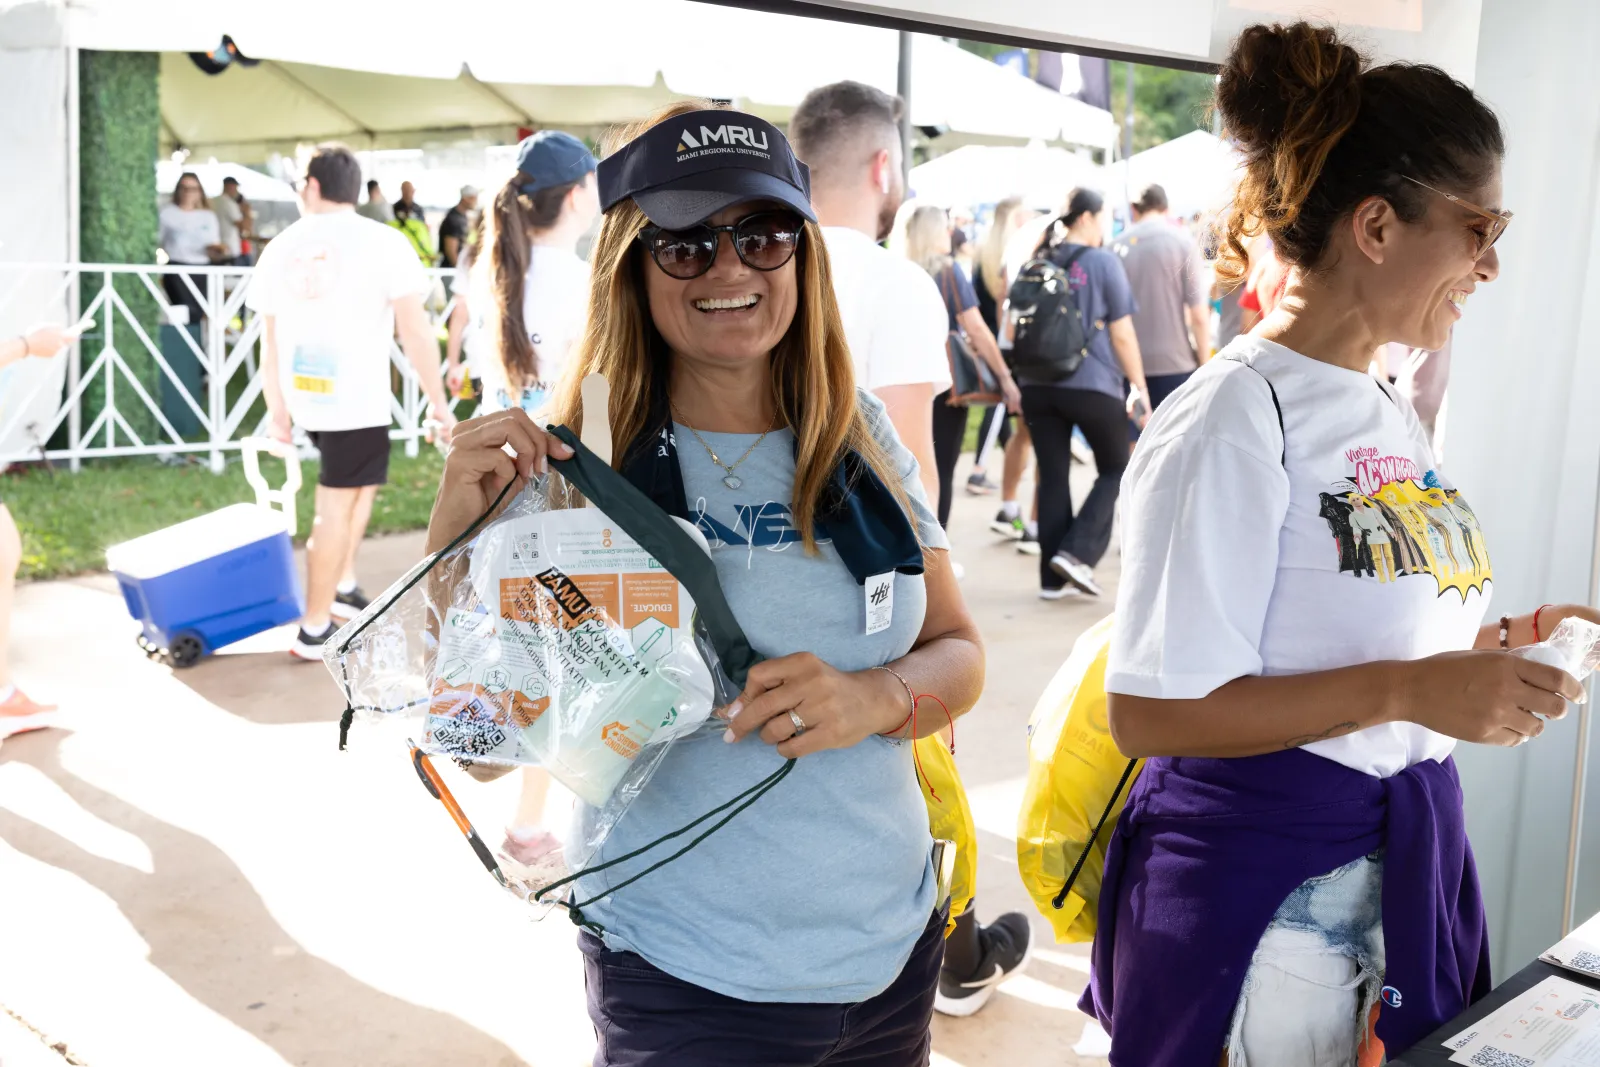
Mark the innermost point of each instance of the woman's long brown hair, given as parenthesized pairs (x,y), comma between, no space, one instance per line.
(813,375)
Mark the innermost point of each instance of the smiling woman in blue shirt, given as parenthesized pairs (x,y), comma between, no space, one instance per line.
(807,930)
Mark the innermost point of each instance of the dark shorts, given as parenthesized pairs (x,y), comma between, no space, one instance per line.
(352,458)
(644,1017)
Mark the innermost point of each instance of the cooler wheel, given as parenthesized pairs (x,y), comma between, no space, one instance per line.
(186,650)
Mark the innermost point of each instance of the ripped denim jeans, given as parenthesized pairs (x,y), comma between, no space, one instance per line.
(1315,975)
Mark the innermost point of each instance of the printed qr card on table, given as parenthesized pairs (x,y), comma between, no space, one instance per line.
(1554,1024)
(1576,954)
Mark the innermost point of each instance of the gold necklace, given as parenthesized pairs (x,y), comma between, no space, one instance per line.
(729,479)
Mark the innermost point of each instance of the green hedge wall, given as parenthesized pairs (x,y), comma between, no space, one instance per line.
(119,128)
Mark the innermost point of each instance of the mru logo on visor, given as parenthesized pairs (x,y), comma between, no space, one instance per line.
(723,138)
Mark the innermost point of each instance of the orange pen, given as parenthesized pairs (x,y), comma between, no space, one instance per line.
(441,792)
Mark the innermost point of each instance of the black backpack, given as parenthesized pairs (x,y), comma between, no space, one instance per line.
(1049,339)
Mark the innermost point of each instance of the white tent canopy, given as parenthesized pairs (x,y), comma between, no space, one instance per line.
(1197,170)
(986,174)
(377,83)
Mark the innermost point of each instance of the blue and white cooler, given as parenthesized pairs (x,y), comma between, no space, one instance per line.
(218,578)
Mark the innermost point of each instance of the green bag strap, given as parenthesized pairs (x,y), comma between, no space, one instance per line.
(663,538)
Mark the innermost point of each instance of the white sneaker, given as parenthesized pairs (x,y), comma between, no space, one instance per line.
(1075,571)
(1064,593)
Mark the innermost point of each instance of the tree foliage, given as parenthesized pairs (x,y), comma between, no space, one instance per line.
(119,128)
(1167,103)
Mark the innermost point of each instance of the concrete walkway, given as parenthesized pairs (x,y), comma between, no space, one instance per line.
(193,874)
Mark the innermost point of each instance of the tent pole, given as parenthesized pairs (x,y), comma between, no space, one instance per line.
(903,87)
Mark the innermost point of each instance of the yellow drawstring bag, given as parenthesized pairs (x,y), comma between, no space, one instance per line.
(949,818)
(1076,778)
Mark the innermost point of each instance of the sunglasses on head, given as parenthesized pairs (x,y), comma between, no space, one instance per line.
(763,241)
(1498,220)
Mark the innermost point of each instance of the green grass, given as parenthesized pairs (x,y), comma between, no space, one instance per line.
(67,520)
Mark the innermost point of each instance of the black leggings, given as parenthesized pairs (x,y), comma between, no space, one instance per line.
(985,428)
(1051,412)
(949,427)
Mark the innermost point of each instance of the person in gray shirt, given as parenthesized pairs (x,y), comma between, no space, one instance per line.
(1173,320)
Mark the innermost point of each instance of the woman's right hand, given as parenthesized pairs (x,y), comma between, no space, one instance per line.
(478,468)
(1486,697)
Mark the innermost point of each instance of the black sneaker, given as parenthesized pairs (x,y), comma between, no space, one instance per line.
(1028,543)
(980,485)
(309,648)
(1007,946)
(1008,525)
(348,605)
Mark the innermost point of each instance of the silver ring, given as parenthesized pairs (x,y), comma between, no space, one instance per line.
(799,723)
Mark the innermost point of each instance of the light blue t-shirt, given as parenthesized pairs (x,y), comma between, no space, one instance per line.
(818,891)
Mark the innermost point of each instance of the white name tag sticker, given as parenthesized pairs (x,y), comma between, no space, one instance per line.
(879,595)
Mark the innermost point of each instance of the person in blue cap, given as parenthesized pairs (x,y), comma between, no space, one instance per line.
(528,291)
(809,930)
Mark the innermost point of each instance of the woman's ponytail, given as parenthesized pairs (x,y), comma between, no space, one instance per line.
(1286,95)
(503,256)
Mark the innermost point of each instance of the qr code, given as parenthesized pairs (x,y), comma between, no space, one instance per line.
(1489,1056)
(1586,961)
(471,737)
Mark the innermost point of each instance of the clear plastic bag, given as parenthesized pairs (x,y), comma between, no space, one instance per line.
(548,636)
(1574,646)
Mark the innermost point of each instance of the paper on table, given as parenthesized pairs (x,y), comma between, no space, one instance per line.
(1486,1025)
(1575,954)
(1554,1024)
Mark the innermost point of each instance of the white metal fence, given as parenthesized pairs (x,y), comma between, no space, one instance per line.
(207,377)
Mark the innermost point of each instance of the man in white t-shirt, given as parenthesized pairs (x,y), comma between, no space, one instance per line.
(894,318)
(896,324)
(233,221)
(332,289)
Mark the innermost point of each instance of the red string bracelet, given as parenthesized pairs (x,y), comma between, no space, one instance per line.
(1536,637)
(916,756)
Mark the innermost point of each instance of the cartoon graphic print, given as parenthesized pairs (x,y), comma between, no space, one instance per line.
(1390,521)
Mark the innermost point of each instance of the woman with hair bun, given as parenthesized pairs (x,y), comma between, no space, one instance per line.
(1294,650)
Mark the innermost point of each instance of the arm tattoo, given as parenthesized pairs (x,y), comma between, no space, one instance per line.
(1336,730)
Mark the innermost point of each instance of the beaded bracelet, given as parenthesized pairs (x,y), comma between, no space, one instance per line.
(910,696)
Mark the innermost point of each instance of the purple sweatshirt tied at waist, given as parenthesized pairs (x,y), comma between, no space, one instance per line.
(1208,849)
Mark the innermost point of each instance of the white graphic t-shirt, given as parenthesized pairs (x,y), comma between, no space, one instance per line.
(1238,560)
(330,281)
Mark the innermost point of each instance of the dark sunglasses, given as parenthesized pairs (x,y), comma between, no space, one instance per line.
(764,241)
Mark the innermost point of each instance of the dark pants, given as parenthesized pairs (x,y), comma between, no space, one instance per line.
(949,427)
(986,427)
(644,1017)
(1051,413)
(1161,387)
(180,294)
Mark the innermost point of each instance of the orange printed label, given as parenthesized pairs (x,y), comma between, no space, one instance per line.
(646,596)
(615,735)
(525,712)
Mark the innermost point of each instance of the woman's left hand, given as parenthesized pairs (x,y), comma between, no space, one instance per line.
(1011,395)
(838,709)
